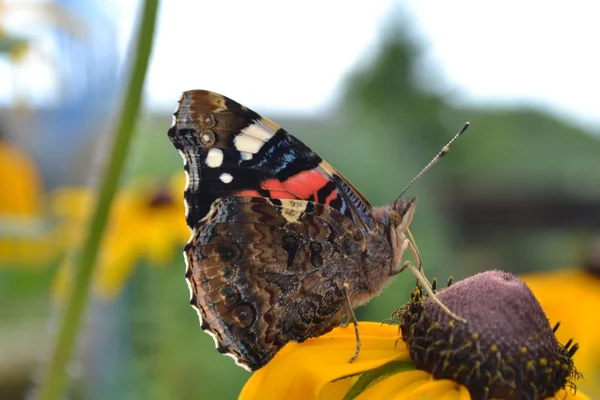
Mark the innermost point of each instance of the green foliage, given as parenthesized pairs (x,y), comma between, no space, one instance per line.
(527,150)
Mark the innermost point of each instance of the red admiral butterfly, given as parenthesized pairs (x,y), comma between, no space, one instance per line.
(282,246)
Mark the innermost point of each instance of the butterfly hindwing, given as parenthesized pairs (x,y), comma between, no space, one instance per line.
(264,272)
(229,150)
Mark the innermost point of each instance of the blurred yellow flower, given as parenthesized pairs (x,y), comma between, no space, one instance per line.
(22,240)
(21,187)
(572,296)
(319,369)
(145,223)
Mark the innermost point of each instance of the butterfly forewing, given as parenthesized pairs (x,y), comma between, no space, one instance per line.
(229,150)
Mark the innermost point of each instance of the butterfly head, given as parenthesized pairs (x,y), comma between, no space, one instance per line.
(402,213)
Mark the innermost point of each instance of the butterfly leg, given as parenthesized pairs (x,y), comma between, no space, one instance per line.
(421,278)
(425,283)
(414,250)
(407,244)
(410,245)
(352,317)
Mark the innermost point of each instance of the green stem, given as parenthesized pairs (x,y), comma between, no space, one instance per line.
(54,375)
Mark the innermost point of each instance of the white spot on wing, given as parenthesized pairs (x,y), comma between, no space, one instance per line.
(225,177)
(252,138)
(246,156)
(259,131)
(214,158)
(248,144)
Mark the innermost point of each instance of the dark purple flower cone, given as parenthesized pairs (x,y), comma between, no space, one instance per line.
(507,349)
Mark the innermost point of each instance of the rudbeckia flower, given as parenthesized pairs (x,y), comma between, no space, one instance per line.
(144,224)
(507,349)
(22,240)
(571,296)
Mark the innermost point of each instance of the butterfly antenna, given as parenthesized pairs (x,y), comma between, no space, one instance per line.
(435,159)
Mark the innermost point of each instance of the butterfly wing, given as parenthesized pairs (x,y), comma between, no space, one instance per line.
(263,272)
(229,150)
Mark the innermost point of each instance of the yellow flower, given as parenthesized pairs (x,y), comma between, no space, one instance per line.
(301,371)
(319,369)
(21,185)
(22,240)
(145,223)
(572,296)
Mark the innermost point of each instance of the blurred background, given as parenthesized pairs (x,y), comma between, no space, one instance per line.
(376,89)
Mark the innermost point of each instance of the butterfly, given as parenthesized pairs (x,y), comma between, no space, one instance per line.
(282,246)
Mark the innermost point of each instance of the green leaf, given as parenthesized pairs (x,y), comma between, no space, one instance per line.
(371,377)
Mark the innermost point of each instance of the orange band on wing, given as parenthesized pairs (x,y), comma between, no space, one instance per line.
(276,189)
(299,186)
(306,183)
(332,196)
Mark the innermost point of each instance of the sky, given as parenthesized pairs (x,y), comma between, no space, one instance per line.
(544,53)
(279,58)
(274,57)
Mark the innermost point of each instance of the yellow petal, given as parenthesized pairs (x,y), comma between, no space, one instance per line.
(21,187)
(462,393)
(337,389)
(570,296)
(22,244)
(301,371)
(412,385)
(396,386)
(71,202)
(569,394)
(115,266)
(433,389)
